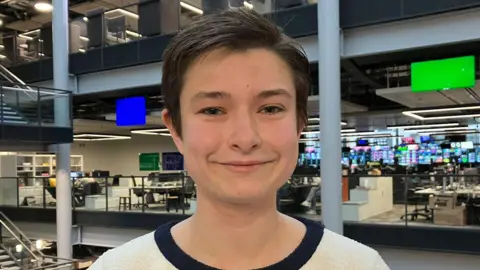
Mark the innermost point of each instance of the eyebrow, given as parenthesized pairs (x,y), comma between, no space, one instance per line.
(274,92)
(211,95)
(221,95)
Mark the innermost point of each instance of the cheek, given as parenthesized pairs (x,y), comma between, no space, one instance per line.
(199,139)
(283,137)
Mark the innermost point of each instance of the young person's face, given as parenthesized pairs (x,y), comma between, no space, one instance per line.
(239,125)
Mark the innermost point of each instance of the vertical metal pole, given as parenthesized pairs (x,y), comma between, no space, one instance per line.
(62,118)
(329,82)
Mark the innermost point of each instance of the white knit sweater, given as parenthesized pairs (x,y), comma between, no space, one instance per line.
(332,252)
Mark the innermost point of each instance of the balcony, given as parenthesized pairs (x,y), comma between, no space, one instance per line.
(104,35)
(376,209)
(27,116)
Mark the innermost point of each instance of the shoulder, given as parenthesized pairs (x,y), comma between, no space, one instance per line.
(140,253)
(340,252)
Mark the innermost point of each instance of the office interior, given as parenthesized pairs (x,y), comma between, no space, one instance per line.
(107,23)
(401,174)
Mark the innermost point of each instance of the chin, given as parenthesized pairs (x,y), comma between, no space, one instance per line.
(246,196)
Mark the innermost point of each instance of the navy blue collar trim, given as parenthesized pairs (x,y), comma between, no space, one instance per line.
(298,258)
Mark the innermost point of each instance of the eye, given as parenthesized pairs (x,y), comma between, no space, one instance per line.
(271,109)
(212,111)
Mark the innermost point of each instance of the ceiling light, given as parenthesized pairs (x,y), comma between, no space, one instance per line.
(436,129)
(191,8)
(316,119)
(414,114)
(123,12)
(98,137)
(424,126)
(365,133)
(467,131)
(43,6)
(247,5)
(152,131)
(317,132)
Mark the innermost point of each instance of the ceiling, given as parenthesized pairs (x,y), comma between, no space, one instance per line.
(406,97)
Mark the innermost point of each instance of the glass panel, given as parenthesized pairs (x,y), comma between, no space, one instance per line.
(25,105)
(301,196)
(121,25)
(79,41)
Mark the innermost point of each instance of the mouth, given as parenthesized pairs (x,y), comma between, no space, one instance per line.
(243,166)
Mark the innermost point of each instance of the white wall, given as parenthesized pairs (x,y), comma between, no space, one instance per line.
(400,259)
(121,157)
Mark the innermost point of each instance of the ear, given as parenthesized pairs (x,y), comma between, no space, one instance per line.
(300,128)
(167,120)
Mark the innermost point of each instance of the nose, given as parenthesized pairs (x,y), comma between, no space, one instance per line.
(244,136)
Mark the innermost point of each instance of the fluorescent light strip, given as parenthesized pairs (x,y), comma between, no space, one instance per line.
(471,131)
(191,8)
(134,34)
(154,131)
(247,5)
(414,114)
(318,132)
(425,126)
(318,120)
(366,133)
(98,137)
(436,129)
(25,37)
(32,32)
(124,12)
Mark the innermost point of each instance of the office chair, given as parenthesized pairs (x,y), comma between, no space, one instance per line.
(415,199)
(139,193)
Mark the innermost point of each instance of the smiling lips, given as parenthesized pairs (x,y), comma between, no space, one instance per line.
(243,166)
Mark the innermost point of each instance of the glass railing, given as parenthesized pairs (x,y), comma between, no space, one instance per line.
(29,105)
(105,26)
(400,199)
(18,252)
(165,193)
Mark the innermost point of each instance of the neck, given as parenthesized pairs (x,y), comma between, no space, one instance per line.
(237,231)
(236,219)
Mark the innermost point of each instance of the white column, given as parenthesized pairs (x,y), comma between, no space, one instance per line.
(62,118)
(330,113)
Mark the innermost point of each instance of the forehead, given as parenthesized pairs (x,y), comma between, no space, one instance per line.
(224,70)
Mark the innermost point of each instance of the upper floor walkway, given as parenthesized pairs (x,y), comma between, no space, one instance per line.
(127,42)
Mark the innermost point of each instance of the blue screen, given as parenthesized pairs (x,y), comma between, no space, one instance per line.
(131,111)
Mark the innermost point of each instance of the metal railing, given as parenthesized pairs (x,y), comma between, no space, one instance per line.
(24,252)
(404,199)
(29,105)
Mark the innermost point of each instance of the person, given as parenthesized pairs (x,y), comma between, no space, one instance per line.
(235,91)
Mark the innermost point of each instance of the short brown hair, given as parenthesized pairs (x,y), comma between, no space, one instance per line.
(234,30)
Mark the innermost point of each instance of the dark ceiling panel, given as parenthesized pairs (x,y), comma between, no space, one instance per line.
(355,13)
(413,8)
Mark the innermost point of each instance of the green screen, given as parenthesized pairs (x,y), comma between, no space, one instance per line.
(443,74)
(149,161)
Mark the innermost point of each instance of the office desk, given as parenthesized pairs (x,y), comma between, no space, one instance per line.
(463,191)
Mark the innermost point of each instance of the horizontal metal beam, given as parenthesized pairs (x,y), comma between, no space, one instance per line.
(430,31)
(436,30)
(115,79)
